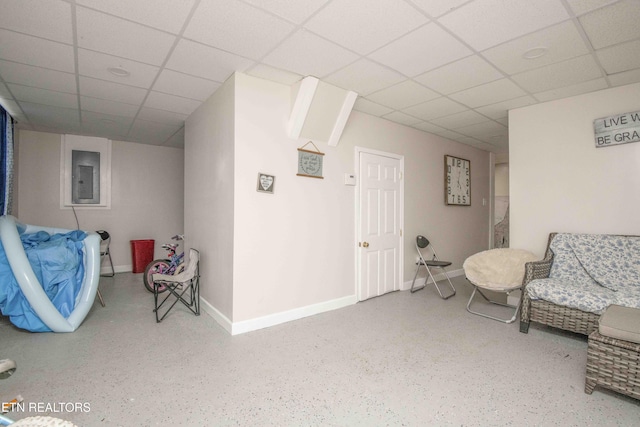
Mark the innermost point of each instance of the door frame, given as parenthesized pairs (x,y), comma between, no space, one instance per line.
(358,209)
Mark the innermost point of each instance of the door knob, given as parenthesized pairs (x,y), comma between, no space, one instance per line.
(365,244)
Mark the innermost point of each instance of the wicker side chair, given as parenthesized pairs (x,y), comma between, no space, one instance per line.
(546,313)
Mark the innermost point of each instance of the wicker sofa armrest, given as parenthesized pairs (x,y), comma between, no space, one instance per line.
(536,270)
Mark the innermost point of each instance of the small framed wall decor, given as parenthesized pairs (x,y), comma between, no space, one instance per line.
(310,162)
(266,183)
(457,181)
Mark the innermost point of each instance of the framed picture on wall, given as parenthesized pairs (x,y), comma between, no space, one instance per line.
(266,183)
(457,181)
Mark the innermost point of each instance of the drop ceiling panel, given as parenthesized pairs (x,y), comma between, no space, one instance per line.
(483,24)
(501,109)
(309,55)
(96,65)
(489,93)
(108,107)
(296,12)
(105,125)
(573,90)
(625,78)
(27,75)
(36,51)
(55,117)
(176,104)
(429,127)
(111,91)
(207,62)
(403,95)
(43,96)
(169,17)
(180,84)
(125,39)
(582,6)
(401,118)
(459,120)
(565,73)
(623,57)
(369,107)
(176,140)
(562,42)
(615,24)
(237,27)
(433,109)
(364,77)
(423,49)
(152,132)
(274,74)
(456,76)
(49,20)
(436,8)
(365,25)
(484,130)
(162,116)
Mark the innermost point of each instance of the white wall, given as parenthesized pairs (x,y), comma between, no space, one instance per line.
(296,248)
(559,181)
(146,195)
(209,197)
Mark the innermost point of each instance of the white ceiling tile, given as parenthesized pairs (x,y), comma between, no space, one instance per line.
(429,127)
(489,93)
(112,91)
(105,125)
(449,134)
(36,51)
(503,121)
(612,24)
(237,27)
(207,62)
(115,36)
(573,90)
(370,107)
(403,95)
(170,16)
(562,42)
(309,55)
(421,50)
(501,109)
(297,11)
(622,57)
(55,117)
(27,75)
(49,20)
(403,119)
(162,116)
(180,84)
(484,130)
(4,91)
(582,6)
(96,64)
(436,8)
(43,96)
(108,107)
(151,132)
(11,107)
(365,25)
(553,76)
(162,101)
(433,109)
(463,74)
(625,78)
(486,23)
(364,77)
(459,120)
(274,74)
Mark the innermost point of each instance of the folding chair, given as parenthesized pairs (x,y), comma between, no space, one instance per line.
(104,252)
(183,287)
(424,247)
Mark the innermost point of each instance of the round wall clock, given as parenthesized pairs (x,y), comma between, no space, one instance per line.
(457,181)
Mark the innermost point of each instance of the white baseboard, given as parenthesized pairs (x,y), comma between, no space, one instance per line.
(276,318)
(420,279)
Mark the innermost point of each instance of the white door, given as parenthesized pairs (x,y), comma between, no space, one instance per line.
(380,233)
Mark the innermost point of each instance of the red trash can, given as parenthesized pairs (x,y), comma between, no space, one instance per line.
(142,254)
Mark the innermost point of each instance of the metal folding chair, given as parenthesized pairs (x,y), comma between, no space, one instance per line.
(183,287)
(431,260)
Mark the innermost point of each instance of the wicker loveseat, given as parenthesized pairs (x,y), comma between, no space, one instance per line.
(578,278)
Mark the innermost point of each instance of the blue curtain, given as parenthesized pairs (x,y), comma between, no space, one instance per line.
(6,161)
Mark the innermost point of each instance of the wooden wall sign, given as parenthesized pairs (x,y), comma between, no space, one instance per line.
(310,162)
(615,130)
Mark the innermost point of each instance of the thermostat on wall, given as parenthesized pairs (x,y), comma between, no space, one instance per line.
(349,179)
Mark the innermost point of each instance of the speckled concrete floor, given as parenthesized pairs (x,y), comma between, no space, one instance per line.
(399,360)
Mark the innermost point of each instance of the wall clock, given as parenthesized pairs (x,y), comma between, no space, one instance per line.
(457,181)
